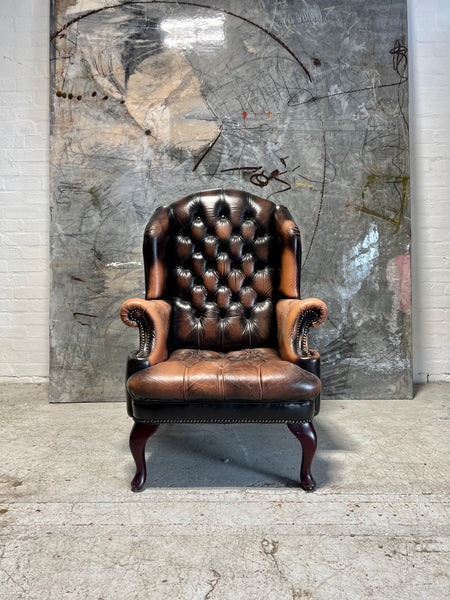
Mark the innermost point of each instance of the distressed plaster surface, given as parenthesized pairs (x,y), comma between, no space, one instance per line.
(220,516)
(303,102)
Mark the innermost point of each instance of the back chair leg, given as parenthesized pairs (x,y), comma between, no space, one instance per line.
(306,435)
(138,438)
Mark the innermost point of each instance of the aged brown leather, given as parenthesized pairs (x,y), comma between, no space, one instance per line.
(223,328)
(222,268)
(293,326)
(156,315)
(254,374)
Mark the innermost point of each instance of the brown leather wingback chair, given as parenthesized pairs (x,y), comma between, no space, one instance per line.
(223,330)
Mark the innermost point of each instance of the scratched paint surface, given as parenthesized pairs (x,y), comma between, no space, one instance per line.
(301,102)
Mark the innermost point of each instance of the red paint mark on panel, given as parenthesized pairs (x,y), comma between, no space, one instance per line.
(399,280)
(403,263)
(262,114)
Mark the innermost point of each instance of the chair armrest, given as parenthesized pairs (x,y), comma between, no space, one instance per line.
(152,317)
(294,318)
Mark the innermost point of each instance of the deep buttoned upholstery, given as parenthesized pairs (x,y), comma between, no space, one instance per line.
(223,328)
(217,259)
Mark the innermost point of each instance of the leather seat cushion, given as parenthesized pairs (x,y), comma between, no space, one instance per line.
(251,375)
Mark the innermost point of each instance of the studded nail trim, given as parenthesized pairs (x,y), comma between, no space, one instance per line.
(286,421)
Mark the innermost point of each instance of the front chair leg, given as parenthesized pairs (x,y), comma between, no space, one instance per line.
(306,435)
(138,438)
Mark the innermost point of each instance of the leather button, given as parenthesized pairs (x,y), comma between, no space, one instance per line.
(247,297)
(223,229)
(198,229)
(248,230)
(184,248)
(223,297)
(210,279)
(235,280)
(262,283)
(198,263)
(235,246)
(184,279)
(223,264)
(198,296)
(210,246)
(248,265)
(223,246)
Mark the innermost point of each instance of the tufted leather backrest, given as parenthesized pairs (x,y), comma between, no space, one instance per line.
(222,258)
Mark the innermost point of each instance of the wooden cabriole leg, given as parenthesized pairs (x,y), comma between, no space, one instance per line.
(306,435)
(138,438)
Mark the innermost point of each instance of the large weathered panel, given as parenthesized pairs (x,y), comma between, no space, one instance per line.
(301,102)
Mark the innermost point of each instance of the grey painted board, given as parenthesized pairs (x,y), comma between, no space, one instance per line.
(302,102)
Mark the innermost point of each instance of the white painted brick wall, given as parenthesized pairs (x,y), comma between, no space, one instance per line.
(24,193)
(429,56)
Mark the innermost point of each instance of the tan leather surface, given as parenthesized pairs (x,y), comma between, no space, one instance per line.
(290,253)
(154,317)
(290,314)
(155,243)
(252,375)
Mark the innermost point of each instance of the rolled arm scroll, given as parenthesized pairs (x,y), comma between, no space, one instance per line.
(294,319)
(152,317)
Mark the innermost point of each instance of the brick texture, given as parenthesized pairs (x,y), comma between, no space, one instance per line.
(429,59)
(24,187)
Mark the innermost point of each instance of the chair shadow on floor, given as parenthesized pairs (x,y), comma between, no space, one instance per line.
(228,456)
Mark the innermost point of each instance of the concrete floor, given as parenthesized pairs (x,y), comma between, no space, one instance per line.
(221,517)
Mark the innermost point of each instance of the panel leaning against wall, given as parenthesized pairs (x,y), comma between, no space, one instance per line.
(301,102)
